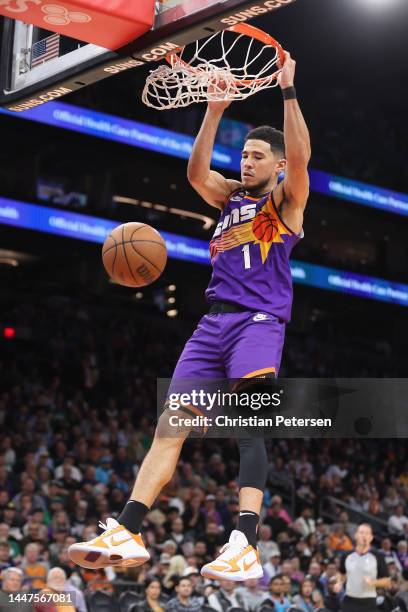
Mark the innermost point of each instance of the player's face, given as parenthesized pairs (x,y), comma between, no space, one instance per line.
(364,536)
(259,165)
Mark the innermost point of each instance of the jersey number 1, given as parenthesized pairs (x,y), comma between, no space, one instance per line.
(247,256)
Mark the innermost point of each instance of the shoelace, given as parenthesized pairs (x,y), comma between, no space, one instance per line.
(105,527)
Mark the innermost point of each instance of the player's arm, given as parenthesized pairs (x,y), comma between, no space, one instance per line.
(211,185)
(292,193)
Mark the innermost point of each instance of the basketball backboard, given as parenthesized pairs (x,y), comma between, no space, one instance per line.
(37,65)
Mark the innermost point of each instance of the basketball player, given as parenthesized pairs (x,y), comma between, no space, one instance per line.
(250,296)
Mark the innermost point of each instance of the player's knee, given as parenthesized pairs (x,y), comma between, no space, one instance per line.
(173,426)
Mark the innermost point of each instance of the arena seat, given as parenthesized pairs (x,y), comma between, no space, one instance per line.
(128,600)
(103,602)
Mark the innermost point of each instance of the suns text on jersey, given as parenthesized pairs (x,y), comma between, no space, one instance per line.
(237,215)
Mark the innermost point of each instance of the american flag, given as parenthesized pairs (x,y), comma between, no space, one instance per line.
(45,50)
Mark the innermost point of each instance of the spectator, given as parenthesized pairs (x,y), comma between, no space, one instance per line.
(274,520)
(277,501)
(273,567)
(303,601)
(170,547)
(398,594)
(333,594)
(287,587)
(5,556)
(330,572)
(213,537)
(35,570)
(252,595)
(177,531)
(80,517)
(358,501)
(176,568)
(184,602)
(322,530)
(391,500)
(58,585)
(209,511)
(28,491)
(266,545)
(305,524)
(160,569)
(226,597)
(9,454)
(197,581)
(276,597)
(314,572)
(12,580)
(68,470)
(398,521)
(338,540)
(279,476)
(193,518)
(6,537)
(152,602)
(318,603)
(402,554)
(297,574)
(200,551)
(350,528)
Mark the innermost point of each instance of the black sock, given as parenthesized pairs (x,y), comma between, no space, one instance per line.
(132,516)
(248,523)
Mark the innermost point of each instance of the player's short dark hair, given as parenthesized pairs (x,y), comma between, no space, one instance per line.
(270,135)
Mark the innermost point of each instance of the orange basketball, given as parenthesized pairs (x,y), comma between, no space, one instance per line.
(134,254)
(264,227)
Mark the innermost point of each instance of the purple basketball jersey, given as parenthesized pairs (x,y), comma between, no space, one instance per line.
(250,253)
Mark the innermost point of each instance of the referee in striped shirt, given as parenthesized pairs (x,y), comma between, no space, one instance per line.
(364,570)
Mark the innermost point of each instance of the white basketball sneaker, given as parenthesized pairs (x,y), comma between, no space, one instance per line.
(115,546)
(237,561)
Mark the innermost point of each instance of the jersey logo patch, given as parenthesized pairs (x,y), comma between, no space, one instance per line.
(260,317)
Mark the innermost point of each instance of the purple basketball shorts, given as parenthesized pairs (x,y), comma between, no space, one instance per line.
(233,345)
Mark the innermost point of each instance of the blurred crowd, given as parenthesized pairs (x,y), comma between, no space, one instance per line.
(77,413)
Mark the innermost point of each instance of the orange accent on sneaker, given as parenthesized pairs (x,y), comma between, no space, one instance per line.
(114,543)
(247,567)
(99,542)
(233,563)
(138,539)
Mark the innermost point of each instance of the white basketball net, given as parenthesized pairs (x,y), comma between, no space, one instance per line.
(191,77)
